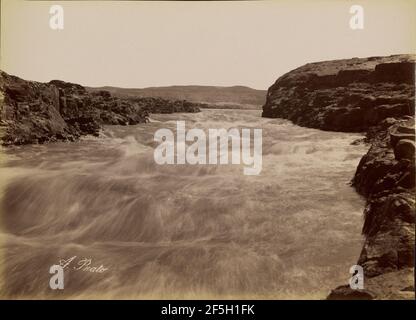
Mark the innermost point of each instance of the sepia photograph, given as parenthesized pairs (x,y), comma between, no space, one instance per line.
(207,150)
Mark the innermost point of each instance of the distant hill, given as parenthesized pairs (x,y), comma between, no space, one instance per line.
(222,97)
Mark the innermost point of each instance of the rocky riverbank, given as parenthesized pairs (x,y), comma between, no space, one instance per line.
(386,177)
(33,112)
(376,95)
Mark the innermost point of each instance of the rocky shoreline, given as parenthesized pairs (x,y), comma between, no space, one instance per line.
(376,95)
(386,177)
(34,112)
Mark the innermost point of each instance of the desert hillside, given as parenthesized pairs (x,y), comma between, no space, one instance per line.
(227,97)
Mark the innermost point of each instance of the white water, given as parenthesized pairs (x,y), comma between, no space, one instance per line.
(181,231)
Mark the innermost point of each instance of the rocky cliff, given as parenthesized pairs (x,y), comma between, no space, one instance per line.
(344,95)
(33,112)
(376,95)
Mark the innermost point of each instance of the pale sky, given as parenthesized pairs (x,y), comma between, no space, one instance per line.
(142,44)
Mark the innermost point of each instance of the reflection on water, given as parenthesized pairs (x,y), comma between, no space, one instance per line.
(181,231)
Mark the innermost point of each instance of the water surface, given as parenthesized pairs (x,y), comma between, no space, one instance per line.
(181,231)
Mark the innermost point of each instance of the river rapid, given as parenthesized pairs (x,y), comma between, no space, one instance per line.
(126,227)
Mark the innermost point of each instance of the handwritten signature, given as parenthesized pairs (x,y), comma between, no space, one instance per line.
(82,264)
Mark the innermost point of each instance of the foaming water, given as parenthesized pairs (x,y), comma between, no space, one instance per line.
(181,231)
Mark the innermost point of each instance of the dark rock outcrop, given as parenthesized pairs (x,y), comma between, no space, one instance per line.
(386,177)
(376,95)
(346,293)
(344,95)
(33,112)
(159,105)
(30,113)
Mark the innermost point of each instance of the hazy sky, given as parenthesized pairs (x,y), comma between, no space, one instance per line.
(141,44)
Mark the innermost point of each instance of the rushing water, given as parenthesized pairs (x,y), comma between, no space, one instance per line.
(181,231)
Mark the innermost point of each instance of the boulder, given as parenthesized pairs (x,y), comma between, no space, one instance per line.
(395,137)
(405,149)
(346,293)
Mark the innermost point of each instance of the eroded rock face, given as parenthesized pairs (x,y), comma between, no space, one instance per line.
(344,95)
(386,177)
(33,112)
(30,113)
